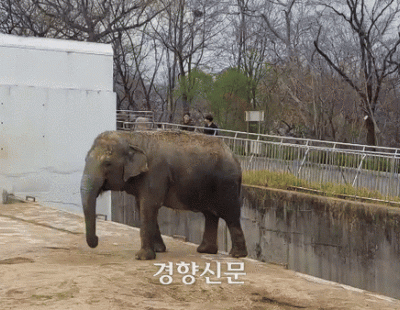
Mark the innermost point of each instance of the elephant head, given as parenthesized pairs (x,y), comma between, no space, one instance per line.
(110,163)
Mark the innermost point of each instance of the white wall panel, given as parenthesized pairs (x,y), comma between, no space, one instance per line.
(50,113)
(55,63)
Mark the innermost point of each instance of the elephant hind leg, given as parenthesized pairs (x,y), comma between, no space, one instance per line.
(239,248)
(232,219)
(209,243)
(159,245)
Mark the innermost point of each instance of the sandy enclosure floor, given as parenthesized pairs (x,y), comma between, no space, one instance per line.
(46,264)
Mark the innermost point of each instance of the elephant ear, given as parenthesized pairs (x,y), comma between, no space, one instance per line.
(136,163)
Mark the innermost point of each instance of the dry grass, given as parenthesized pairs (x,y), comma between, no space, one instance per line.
(288,181)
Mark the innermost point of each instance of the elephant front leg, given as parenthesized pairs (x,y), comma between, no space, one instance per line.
(209,243)
(148,232)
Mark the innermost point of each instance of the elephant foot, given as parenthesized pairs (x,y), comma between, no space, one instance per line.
(160,247)
(145,254)
(207,248)
(92,241)
(238,252)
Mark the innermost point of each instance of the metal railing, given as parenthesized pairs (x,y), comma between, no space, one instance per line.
(322,165)
(129,120)
(315,161)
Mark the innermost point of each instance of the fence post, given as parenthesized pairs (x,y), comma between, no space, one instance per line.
(358,169)
(304,158)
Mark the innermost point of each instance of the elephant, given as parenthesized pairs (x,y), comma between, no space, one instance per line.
(176,169)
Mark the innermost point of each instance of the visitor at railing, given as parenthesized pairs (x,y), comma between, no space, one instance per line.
(187,121)
(210,124)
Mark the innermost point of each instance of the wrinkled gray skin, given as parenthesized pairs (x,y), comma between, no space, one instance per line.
(179,170)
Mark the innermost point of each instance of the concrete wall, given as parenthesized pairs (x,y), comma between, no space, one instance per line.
(56,96)
(343,241)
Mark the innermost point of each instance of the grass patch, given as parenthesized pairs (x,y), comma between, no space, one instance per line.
(288,181)
(280,180)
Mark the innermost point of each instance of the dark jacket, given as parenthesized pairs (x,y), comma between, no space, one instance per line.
(185,126)
(213,131)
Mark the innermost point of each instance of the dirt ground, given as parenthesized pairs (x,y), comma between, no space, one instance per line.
(46,264)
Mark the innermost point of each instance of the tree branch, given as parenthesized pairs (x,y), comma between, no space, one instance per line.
(340,72)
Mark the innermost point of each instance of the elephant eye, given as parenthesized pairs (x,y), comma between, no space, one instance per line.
(107,163)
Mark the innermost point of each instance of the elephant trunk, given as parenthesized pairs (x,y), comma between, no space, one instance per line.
(91,185)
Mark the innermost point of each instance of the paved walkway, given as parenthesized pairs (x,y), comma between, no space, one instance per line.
(46,264)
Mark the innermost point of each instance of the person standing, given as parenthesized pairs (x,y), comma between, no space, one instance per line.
(210,128)
(187,121)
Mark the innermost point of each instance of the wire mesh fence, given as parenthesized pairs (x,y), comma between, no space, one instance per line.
(314,161)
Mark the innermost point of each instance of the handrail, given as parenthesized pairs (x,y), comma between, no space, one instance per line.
(315,161)
(311,143)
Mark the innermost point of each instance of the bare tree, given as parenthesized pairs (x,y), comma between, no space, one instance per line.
(186,30)
(375,32)
(133,73)
(125,75)
(22,17)
(287,22)
(93,20)
(250,47)
(241,27)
